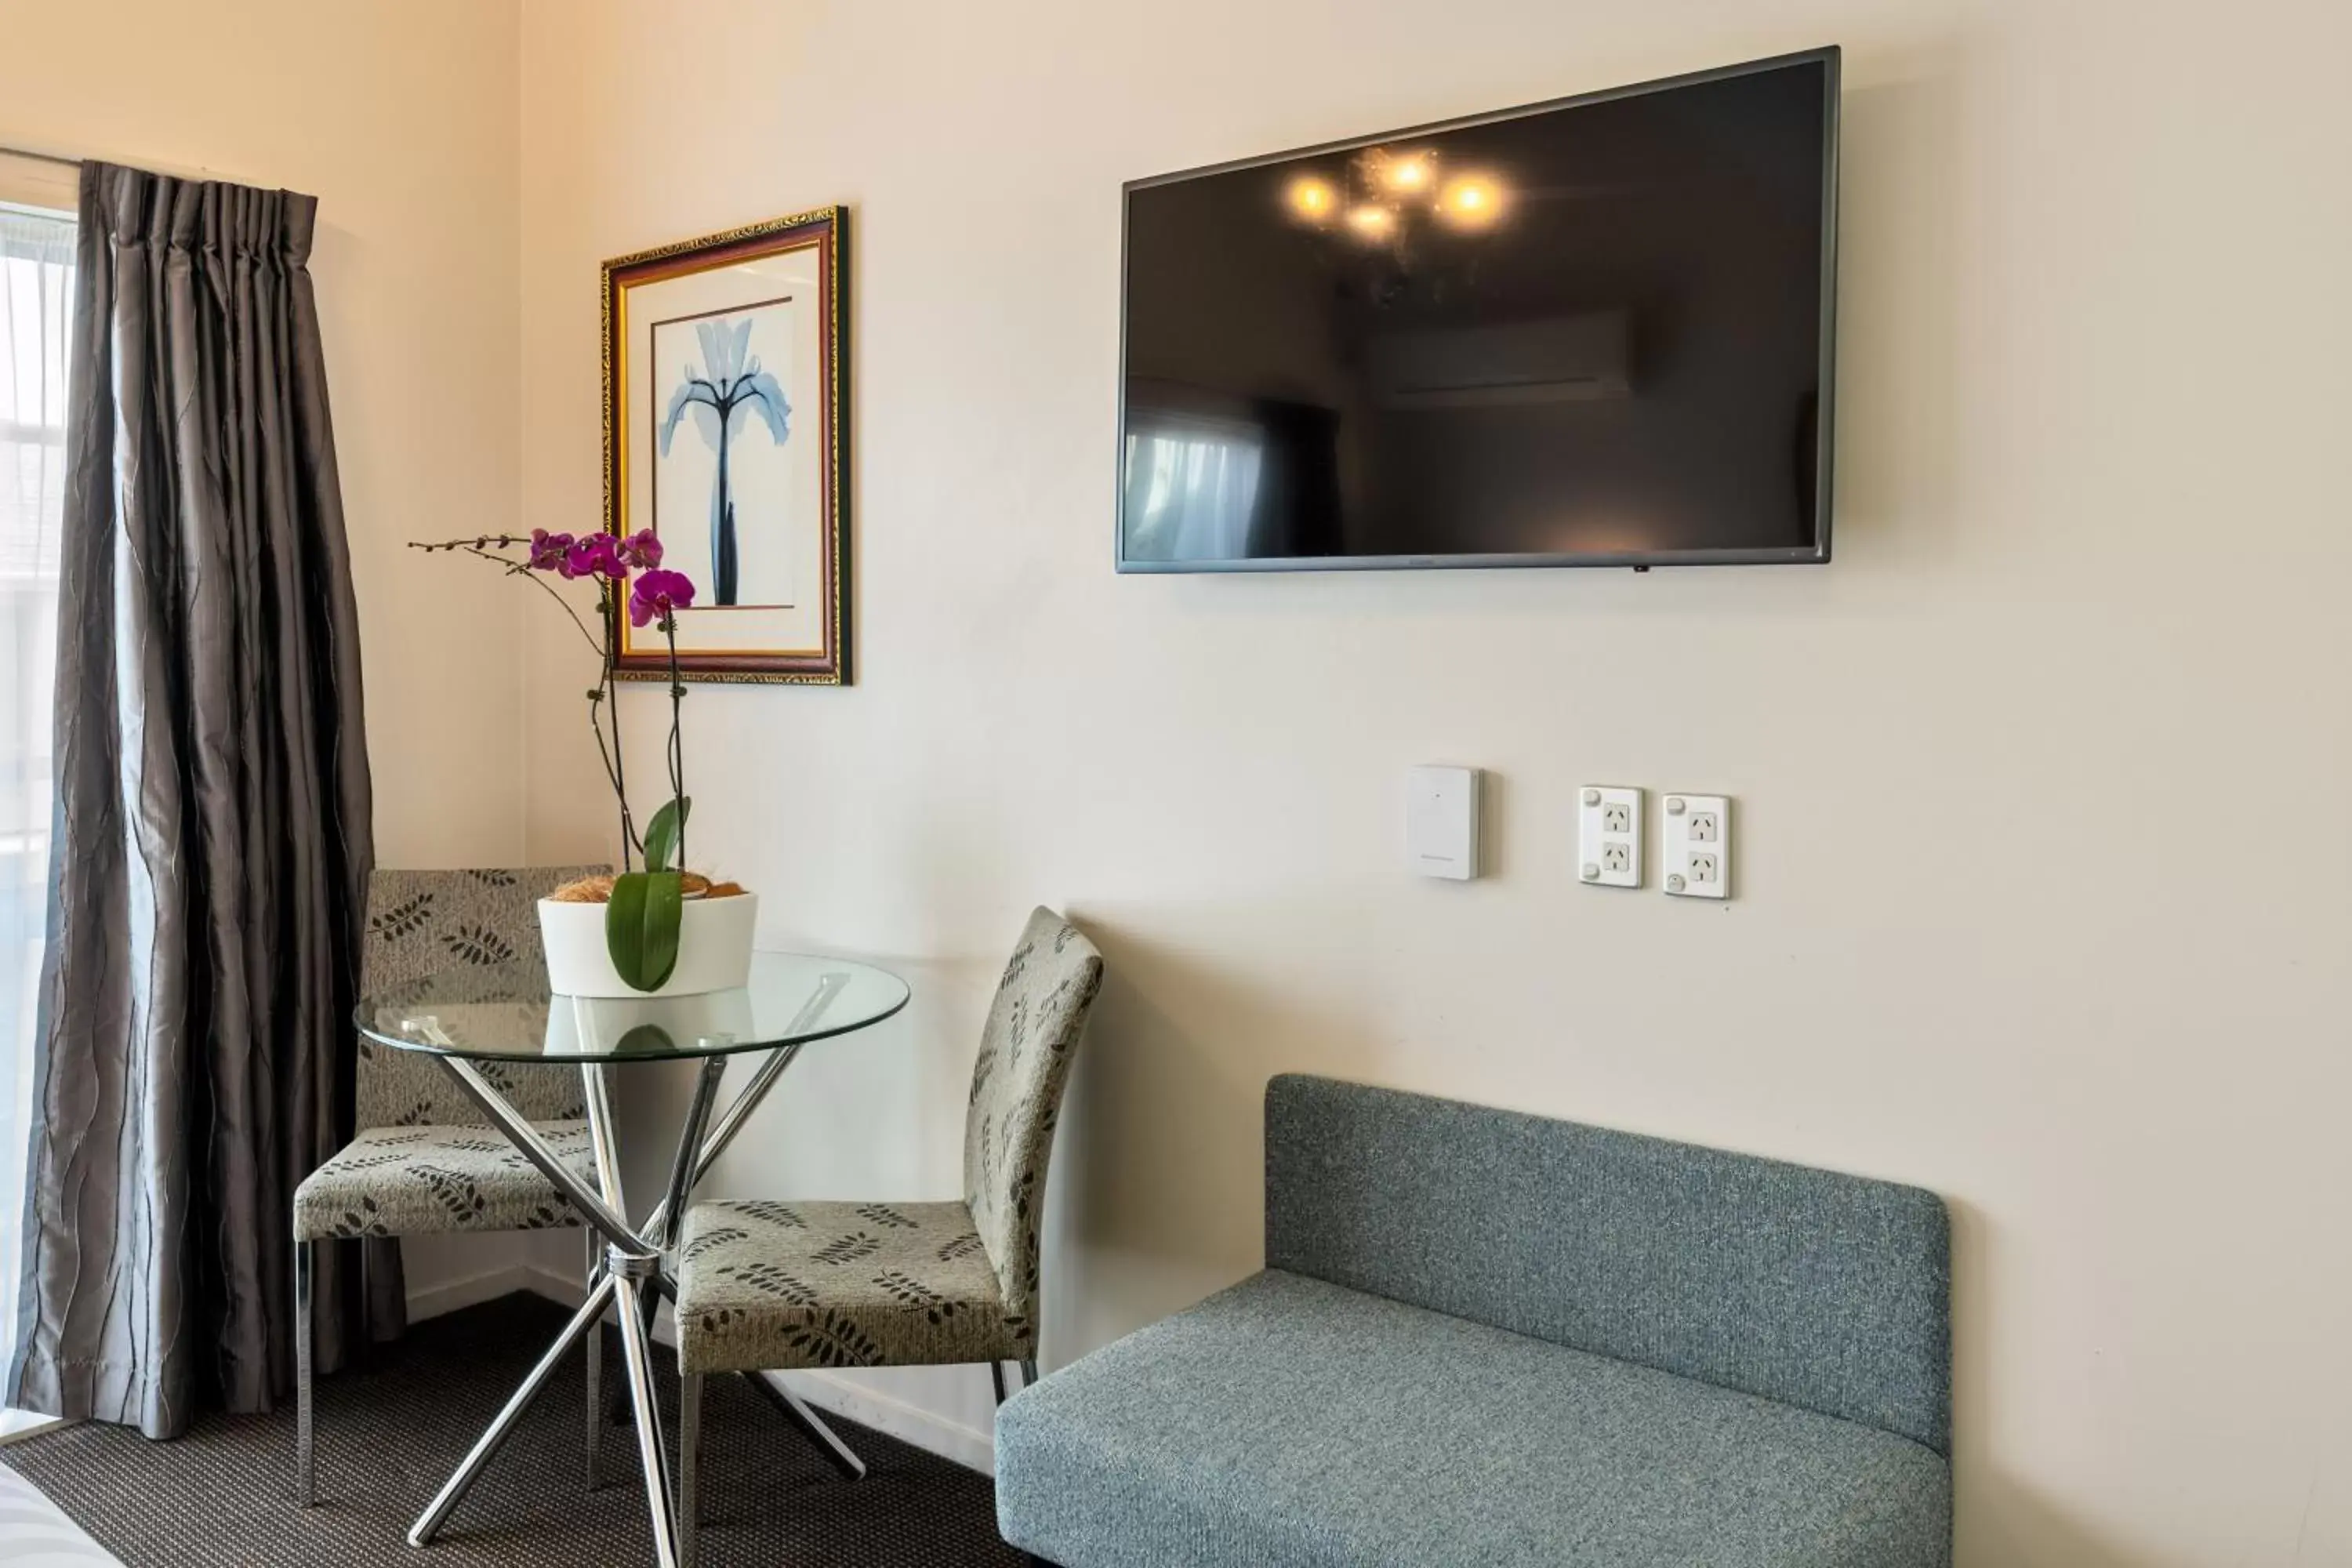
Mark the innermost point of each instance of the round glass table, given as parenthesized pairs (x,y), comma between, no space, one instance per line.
(479,1020)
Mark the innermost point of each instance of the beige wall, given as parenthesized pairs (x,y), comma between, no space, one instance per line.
(2034,905)
(400,119)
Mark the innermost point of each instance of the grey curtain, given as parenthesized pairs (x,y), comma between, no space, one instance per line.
(211,838)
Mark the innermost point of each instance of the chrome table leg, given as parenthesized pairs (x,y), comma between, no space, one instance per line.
(632,1276)
(437,1511)
(638,1354)
(793,1409)
(622,1243)
(687,1166)
(595,1364)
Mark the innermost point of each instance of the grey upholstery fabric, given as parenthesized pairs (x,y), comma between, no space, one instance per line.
(781,1285)
(419,1181)
(1819,1289)
(212,810)
(1292,1422)
(786,1286)
(1025,1052)
(420,922)
(417,924)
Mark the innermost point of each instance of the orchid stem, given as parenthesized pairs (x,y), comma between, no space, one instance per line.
(603,705)
(606,604)
(676,745)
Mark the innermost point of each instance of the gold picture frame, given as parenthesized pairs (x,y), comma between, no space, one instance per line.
(755,505)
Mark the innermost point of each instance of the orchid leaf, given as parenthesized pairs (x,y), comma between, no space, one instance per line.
(662,834)
(641,926)
(644,1040)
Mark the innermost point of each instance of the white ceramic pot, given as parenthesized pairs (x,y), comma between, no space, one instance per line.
(714,949)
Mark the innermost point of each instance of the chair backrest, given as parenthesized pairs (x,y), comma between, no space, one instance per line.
(1025,1053)
(420,922)
(1827,1291)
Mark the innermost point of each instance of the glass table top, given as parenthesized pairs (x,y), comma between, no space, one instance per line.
(505,1012)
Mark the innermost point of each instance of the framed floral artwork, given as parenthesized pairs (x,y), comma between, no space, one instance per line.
(727,434)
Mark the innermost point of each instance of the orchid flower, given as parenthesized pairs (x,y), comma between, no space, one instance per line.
(547,549)
(655,593)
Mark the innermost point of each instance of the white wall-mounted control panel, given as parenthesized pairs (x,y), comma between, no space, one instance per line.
(1609,835)
(1441,822)
(1696,846)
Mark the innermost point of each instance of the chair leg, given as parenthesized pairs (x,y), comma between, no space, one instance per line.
(996,1376)
(788,1405)
(595,1366)
(689,1462)
(306,1262)
(1028,1371)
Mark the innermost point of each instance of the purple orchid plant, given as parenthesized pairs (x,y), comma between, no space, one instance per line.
(647,910)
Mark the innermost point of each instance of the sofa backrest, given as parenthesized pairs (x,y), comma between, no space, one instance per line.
(1827,1291)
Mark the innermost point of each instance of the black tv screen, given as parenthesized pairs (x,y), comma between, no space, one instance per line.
(1590,333)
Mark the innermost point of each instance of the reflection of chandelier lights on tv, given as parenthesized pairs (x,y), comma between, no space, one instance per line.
(1406,174)
(1312,198)
(1385,189)
(1471,201)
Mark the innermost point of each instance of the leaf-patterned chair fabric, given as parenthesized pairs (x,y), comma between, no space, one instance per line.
(424,1160)
(793,1285)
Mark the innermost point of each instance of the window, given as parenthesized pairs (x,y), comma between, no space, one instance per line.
(1191,487)
(36,259)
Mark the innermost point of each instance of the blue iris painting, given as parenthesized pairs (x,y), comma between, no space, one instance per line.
(722,396)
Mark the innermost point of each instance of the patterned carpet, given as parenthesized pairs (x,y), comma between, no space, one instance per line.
(390,1436)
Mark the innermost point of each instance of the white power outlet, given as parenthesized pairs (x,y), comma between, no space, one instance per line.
(1696,846)
(1609,835)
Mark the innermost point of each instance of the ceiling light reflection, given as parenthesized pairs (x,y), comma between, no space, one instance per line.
(1471,201)
(1312,198)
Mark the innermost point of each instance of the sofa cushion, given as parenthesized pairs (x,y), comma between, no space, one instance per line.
(1810,1287)
(1288,1421)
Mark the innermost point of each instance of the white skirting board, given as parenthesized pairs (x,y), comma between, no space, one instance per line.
(482,1285)
(854,1401)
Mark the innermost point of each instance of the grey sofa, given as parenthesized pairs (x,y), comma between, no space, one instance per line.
(1484,1338)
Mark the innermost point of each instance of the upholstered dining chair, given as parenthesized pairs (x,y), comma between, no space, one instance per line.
(766,1286)
(425,1162)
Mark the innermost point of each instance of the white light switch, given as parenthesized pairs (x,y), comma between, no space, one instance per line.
(1609,835)
(1696,844)
(1441,822)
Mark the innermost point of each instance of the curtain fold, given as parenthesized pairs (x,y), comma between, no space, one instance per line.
(212,842)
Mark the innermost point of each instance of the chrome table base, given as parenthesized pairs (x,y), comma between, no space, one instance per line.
(632,1278)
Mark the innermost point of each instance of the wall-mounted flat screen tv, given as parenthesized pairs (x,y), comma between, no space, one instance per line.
(1594,333)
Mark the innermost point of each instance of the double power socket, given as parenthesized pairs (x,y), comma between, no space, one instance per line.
(1694,843)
